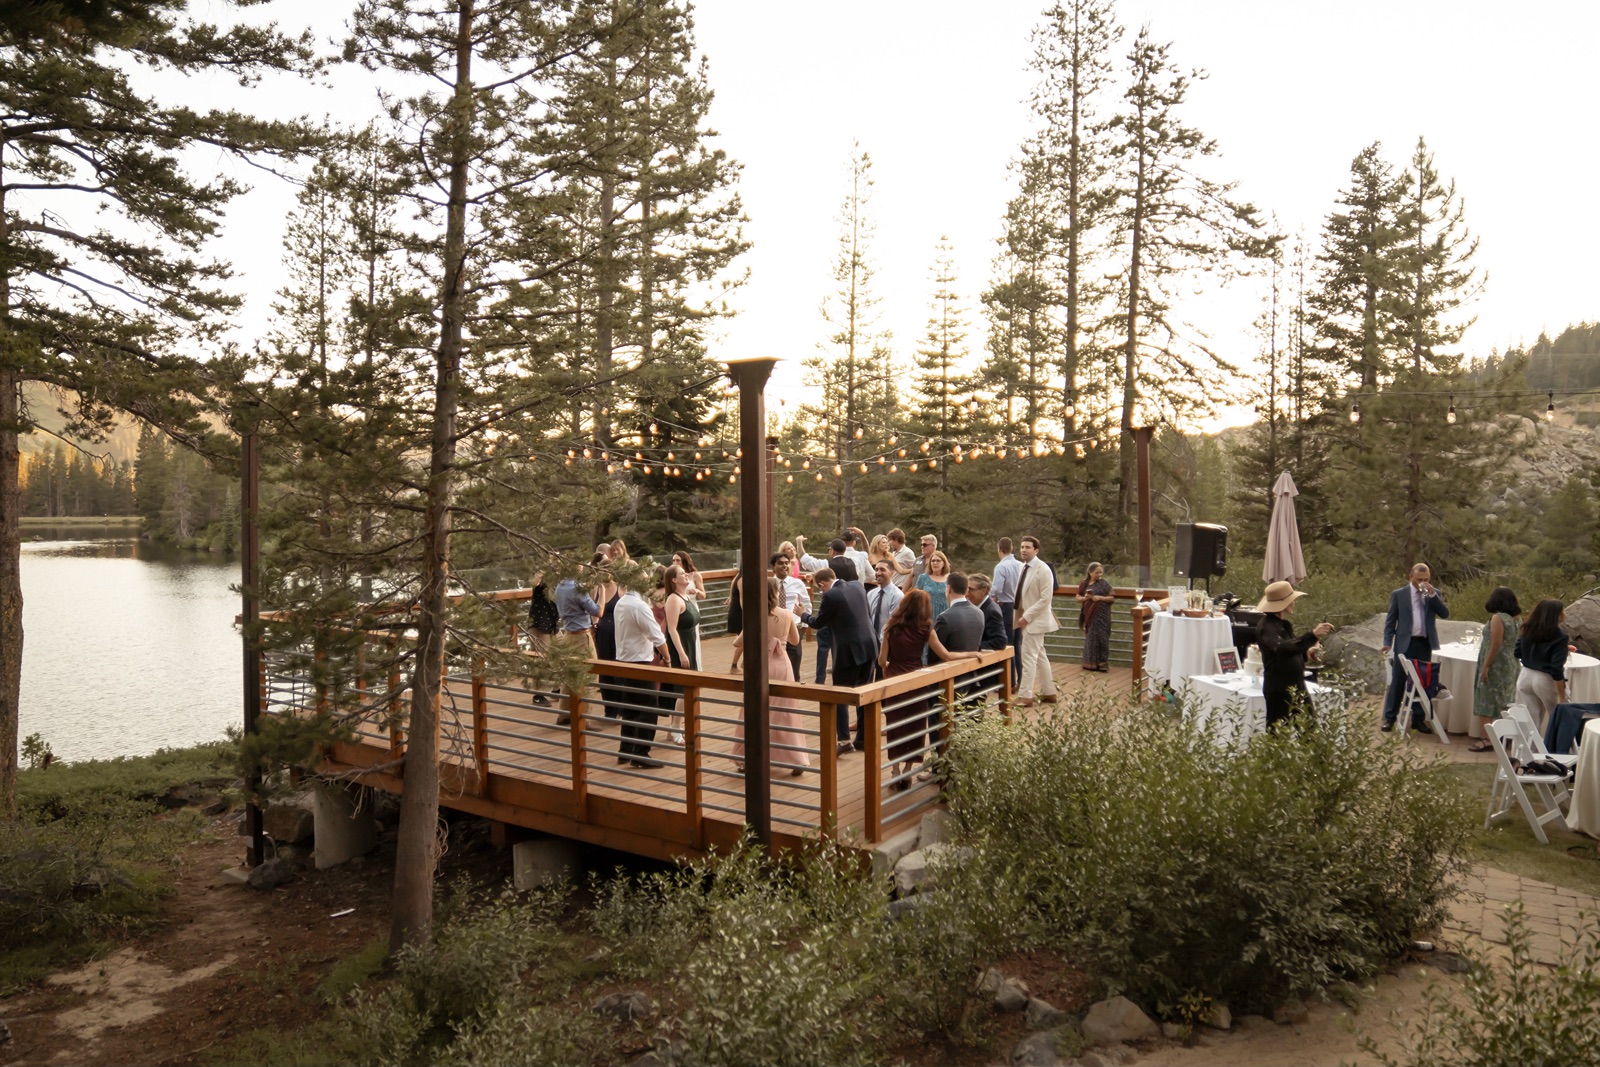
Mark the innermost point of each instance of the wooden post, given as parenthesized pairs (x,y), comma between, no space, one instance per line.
(692,779)
(1141,438)
(480,724)
(1005,685)
(1138,614)
(872,722)
(580,768)
(755,542)
(397,739)
(829,812)
(254,672)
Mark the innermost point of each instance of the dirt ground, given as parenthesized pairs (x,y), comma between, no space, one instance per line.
(225,960)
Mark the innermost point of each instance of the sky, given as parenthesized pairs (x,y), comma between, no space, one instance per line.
(935,91)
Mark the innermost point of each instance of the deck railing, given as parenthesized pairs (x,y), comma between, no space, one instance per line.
(559,753)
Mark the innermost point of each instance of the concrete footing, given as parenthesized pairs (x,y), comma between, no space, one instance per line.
(544,861)
(345,828)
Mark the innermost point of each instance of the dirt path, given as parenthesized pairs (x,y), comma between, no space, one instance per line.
(223,960)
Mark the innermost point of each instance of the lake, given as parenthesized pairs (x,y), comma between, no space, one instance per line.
(129,647)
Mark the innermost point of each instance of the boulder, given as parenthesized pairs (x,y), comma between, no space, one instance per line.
(1218,1017)
(1583,623)
(914,871)
(888,853)
(937,828)
(1252,1022)
(1043,1015)
(990,981)
(625,1007)
(905,906)
(1116,1020)
(1357,651)
(670,1054)
(290,819)
(1173,1031)
(1036,1050)
(1291,1013)
(271,874)
(1012,995)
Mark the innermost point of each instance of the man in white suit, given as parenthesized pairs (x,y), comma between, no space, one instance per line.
(1034,618)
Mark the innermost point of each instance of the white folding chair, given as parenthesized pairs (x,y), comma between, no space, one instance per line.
(1533,744)
(1415,691)
(1511,787)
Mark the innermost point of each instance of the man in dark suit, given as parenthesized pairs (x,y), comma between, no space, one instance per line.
(843,611)
(1410,630)
(995,634)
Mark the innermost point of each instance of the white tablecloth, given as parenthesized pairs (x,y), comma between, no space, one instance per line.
(1234,702)
(1181,647)
(1584,813)
(1458,662)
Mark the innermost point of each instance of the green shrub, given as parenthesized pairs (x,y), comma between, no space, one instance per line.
(1174,866)
(1517,1012)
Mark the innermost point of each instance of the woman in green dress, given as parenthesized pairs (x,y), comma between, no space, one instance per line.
(1495,683)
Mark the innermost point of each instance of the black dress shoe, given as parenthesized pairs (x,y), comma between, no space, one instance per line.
(1388,727)
(844,749)
(647,765)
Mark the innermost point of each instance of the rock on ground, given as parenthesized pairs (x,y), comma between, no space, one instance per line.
(290,819)
(271,874)
(1012,995)
(1583,623)
(625,1006)
(1036,1050)
(1045,1016)
(1116,1020)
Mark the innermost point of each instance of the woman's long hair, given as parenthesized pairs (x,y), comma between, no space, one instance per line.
(1544,621)
(684,561)
(774,594)
(914,612)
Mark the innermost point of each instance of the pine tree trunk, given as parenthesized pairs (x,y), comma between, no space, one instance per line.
(10,582)
(417,847)
(1130,356)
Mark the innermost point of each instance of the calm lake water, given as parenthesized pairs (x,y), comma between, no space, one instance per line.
(128,647)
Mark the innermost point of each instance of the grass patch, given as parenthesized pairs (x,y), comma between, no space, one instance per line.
(352,972)
(1510,845)
(321,1043)
(91,855)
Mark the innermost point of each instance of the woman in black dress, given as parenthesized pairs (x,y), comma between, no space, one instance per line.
(1283,654)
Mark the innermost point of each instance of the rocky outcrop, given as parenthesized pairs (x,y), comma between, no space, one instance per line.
(1357,651)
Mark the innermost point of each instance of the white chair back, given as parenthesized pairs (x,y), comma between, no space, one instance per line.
(1512,788)
(1416,691)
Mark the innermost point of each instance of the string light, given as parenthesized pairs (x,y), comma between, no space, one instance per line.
(893,440)
(697,455)
(819,476)
(901,453)
(1078,450)
(1355,412)
(627,464)
(894,468)
(653,430)
(587,453)
(789,478)
(881,461)
(646,468)
(859,431)
(611,468)
(699,476)
(1550,409)
(805,464)
(863,468)
(913,468)
(732,478)
(932,464)
(1450,416)
(924,446)
(838,471)
(671,457)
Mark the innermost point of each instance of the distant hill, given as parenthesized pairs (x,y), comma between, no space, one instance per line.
(44,404)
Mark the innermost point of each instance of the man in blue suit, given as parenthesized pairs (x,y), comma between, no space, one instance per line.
(1410,630)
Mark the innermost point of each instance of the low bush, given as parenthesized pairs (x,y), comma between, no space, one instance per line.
(1175,865)
(1520,1011)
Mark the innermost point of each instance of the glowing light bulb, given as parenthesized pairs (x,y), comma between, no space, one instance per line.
(838,470)
(789,478)
(587,453)
(933,464)
(1355,412)
(627,464)
(819,476)
(653,428)
(863,468)
(924,446)
(732,478)
(646,468)
(699,476)
(1550,409)
(881,461)
(893,440)
(913,468)
(805,464)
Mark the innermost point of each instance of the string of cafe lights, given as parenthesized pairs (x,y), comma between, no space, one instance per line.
(1550,395)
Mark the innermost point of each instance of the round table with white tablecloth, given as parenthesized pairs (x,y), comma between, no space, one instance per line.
(1583,815)
(1458,662)
(1181,647)
(1231,703)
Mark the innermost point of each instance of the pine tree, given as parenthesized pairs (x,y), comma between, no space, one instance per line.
(855,373)
(1353,306)
(1171,223)
(1073,57)
(113,309)
(1434,273)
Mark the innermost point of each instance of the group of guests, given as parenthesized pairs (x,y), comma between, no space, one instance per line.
(1520,661)
(617,624)
(876,612)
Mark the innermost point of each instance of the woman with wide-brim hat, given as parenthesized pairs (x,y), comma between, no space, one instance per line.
(1283,655)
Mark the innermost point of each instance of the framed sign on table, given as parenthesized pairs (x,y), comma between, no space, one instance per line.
(1227,660)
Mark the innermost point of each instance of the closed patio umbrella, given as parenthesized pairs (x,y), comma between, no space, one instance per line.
(1284,562)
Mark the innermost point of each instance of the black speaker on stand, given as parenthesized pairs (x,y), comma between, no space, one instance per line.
(1200,550)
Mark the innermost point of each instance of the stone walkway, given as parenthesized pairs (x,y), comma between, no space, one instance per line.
(1552,912)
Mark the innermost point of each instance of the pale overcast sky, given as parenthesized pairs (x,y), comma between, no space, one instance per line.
(935,91)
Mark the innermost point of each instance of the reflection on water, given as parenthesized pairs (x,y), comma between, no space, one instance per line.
(129,647)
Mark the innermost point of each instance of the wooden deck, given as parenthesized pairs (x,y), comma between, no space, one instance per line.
(505,756)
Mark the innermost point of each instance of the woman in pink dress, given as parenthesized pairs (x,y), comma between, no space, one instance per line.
(787,716)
